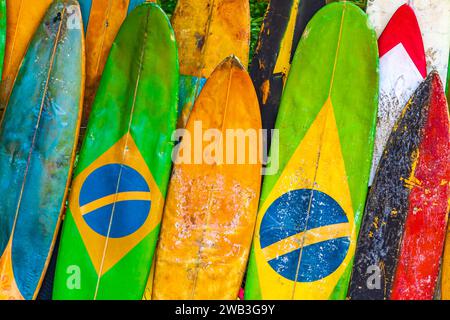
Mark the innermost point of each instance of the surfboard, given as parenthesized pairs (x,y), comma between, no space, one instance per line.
(310,210)
(207,31)
(113,218)
(103,19)
(23,18)
(283,25)
(402,69)
(433,21)
(445,282)
(37,146)
(212,202)
(403,232)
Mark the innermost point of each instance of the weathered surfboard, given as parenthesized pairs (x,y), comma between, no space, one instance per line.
(433,21)
(310,211)
(402,236)
(113,218)
(37,146)
(207,31)
(402,68)
(103,21)
(283,25)
(212,204)
(23,18)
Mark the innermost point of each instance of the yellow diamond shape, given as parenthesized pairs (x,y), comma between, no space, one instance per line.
(317,164)
(106,251)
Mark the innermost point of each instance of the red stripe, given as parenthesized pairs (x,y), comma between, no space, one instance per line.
(425,229)
(403,28)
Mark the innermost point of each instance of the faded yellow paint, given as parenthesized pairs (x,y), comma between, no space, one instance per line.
(23,18)
(211,209)
(208,31)
(8,285)
(284,58)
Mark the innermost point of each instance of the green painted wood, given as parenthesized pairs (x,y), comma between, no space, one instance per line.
(127,149)
(336,61)
(38,135)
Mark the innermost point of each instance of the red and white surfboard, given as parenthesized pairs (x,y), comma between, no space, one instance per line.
(402,68)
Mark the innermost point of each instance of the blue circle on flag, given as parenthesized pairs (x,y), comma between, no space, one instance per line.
(100,190)
(288,216)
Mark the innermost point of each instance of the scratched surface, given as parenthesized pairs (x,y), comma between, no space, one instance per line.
(115,207)
(208,31)
(402,69)
(405,217)
(28,15)
(37,139)
(283,25)
(310,210)
(211,208)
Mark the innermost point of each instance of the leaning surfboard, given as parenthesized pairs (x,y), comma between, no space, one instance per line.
(310,211)
(37,146)
(207,32)
(402,236)
(402,68)
(283,25)
(117,196)
(212,204)
(23,18)
(103,19)
(433,21)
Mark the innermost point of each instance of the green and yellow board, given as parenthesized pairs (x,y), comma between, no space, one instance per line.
(282,28)
(310,211)
(38,135)
(117,196)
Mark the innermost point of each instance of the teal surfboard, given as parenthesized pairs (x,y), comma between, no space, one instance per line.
(38,135)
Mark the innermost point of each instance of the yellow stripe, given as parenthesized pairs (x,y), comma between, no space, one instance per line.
(124,196)
(305,239)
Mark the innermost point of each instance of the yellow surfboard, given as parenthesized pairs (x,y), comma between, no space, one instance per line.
(213,197)
(445,290)
(208,31)
(23,18)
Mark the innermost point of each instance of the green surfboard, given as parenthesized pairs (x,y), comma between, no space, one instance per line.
(117,196)
(310,210)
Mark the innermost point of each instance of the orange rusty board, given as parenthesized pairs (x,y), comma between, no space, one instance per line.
(212,202)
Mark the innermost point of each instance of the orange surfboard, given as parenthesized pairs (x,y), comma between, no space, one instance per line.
(23,18)
(212,202)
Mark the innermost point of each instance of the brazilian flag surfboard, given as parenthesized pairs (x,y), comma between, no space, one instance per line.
(310,210)
(117,196)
